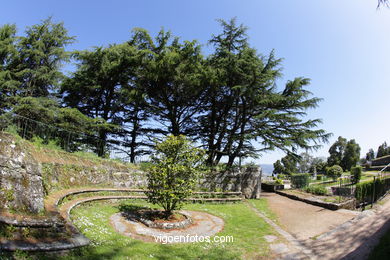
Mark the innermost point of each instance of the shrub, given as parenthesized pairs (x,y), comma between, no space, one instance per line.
(279,181)
(319,177)
(356,173)
(282,176)
(300,180)
(316,189)
(174,173)
(335,171)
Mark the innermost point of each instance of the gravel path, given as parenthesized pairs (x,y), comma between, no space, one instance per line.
(305,221)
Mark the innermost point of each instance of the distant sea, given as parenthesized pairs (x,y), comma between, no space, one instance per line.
(267,169)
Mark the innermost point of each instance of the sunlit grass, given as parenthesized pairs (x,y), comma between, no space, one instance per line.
(241,222)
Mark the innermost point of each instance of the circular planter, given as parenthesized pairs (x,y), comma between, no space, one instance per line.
(161,225)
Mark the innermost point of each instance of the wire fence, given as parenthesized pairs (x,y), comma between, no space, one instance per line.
(68,140)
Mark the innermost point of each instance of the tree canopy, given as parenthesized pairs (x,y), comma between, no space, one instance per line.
(131,93)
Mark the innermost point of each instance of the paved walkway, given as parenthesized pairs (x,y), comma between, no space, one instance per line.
(327,234)
(303,220)
(354,239)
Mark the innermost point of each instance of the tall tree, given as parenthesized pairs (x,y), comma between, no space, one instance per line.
(96,87)
(383,150)
(336,151)
(41,53)
(172,76)
(351,155)
(370,155)
(305,162)
(278,167)
(287,165)
(7,54)
(243,105)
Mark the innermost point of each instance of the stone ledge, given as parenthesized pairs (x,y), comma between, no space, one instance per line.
(349,204)
(74,242)
(22,221)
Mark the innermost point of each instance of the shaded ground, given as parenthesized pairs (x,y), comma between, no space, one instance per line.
(303,220)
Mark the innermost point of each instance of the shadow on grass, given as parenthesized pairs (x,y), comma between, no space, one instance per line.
(124,208)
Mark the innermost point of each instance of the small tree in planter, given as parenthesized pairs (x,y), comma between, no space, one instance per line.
(174,173)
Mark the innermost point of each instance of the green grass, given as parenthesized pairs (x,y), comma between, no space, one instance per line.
(262,206)
(382,250)
(241,222)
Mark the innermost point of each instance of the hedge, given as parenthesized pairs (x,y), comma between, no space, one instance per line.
(300,180)
(316,189)
(365,190)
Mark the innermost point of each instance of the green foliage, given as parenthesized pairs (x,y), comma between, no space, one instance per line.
(282,176)
(356,173)
(351,155)
(344,153)
(336,152)
(383,150)
(279,181)
(316,189)
(318,165)
(287,166)
(278,167)
(300,180)
(175,172)
(130,93)
(334,172)
(371,190)
(93,221)
(242,104)
(370,155)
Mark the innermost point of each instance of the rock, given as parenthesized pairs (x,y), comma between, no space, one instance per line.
(21,186)
(279,248)
(270,238)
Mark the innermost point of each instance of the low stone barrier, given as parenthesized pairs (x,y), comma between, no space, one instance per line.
(349,204)
(22,221)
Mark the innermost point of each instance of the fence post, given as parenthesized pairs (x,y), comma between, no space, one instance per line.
(340,190)
(373,192)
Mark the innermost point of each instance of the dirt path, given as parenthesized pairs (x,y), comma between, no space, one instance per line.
(305,221)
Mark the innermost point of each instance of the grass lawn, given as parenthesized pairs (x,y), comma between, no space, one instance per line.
(262,206)
(241,222)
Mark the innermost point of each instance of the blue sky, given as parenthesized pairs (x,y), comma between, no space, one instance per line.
(343,46)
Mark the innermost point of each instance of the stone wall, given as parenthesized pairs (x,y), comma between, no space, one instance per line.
(382,161)
(246,180)
(28,174)
(64,176)
(21,186)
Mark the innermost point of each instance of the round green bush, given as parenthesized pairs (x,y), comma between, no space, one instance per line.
(335,171)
